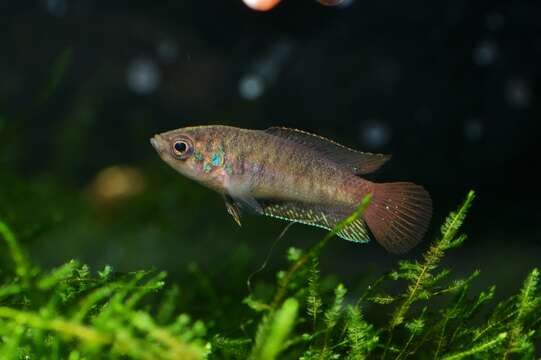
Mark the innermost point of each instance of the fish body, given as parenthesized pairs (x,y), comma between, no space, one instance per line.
(297,176)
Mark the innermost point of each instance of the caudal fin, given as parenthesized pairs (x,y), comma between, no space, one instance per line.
(398,215)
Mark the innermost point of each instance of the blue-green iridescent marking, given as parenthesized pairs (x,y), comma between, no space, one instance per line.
(217,159)
(207,167)
(198,156)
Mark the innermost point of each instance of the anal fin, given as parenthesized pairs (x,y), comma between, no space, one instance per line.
(323,216)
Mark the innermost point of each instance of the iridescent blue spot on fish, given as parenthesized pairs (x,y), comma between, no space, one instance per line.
(217,159)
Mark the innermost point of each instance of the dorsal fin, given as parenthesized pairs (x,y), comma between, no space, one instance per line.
(359,163)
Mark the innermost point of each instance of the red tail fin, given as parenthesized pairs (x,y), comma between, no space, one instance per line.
(398,215)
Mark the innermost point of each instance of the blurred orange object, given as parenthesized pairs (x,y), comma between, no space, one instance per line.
(261,5)
(116,183)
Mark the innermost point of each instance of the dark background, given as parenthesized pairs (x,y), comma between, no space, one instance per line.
(450,88)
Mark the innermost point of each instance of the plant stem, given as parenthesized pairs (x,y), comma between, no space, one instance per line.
(63,326)
(22,267)
(479,348)
(314,251)
(297,265)
(440,340)
(403,351)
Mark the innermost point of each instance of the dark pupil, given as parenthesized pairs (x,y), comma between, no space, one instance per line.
(180,147)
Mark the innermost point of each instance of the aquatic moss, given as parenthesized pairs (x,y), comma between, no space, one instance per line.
(71,312)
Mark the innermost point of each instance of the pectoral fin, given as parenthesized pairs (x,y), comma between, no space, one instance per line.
(234,205)
(249,202)
(233,209)
(238,188)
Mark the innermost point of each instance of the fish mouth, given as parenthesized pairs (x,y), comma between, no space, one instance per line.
(156,142)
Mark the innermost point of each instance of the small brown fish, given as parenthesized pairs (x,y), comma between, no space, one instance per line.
(297,176)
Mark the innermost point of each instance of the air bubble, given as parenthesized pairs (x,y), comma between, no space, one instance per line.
(518,93)
(143,76)
(264,71)
(485,53)
(375,134)
(251,87)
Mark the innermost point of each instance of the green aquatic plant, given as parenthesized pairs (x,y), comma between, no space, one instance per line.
(71,312)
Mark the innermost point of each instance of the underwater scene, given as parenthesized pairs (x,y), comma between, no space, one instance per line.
(270,179)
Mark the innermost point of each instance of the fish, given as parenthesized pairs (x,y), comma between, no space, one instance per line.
(300,177)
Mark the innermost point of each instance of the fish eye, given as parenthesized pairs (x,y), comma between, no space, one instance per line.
(181,148)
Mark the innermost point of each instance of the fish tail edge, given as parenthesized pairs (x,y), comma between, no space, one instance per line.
(398,215)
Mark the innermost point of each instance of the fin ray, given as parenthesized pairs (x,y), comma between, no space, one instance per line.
(233,208)
(317,215)
(399,215)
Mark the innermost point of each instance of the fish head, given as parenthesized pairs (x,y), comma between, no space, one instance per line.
(192,151)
